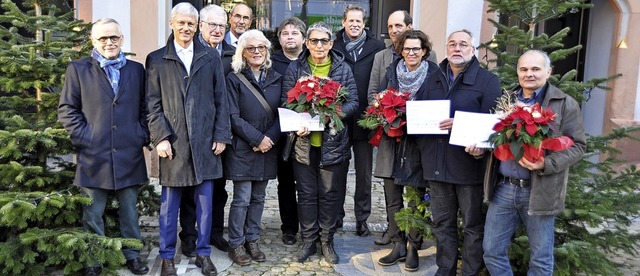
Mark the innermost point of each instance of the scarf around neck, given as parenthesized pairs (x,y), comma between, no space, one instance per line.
(354,46)
(411,81)
(111,67)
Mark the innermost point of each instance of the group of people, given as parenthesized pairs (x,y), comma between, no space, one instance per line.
(208,101)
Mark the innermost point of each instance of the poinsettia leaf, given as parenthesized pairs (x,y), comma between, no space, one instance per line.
(516,149)
(503,152)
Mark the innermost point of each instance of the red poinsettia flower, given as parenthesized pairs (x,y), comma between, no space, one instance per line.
(386,108)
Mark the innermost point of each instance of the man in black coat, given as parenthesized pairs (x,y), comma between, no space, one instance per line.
(359,48)
(189,124)
(213,20)
(102,108)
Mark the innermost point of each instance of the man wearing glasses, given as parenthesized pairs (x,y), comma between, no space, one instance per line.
(239,22)
(102,108)
(189,123)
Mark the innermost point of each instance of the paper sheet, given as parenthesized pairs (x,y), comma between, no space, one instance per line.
(424,117)
(293,121)
(472,128)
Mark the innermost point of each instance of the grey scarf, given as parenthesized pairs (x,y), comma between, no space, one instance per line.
(354,46)
(411,81)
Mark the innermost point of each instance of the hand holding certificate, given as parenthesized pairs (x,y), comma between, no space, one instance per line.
(472,128)
(424,117)
(294,121)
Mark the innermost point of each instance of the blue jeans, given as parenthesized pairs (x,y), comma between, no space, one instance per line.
(507,210)
(169,206)
(127,213)
(245,214)
(446,200)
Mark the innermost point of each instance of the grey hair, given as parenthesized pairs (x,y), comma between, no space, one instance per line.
(321,27)
(184,8)
(354,7)
(472,42)
(105,21)
(238,62)
(295,22)
(547,60)
(213,10)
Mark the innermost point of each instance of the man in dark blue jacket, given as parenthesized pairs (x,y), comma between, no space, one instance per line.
(359,48)
(454,173)
(102,108)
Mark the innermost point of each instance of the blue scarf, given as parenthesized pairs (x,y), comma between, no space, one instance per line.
(111,67)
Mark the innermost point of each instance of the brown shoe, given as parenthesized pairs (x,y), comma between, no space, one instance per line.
(168,269)
(254,251)
(207,266)
(238,256)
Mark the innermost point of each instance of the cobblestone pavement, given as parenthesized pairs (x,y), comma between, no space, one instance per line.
(357,254)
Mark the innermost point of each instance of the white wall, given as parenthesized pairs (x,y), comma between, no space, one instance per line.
(120,10)
(599,44)
(465,14)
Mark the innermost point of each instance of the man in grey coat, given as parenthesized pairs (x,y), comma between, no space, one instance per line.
(189,124)
(102,108)
(532,193)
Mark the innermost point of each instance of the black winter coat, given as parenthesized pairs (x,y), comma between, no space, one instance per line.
(406,159)
(335,148)
(109,131)
(227,55)
(361,72)
(191,111)
(474,90)
(280,62)
(250,123)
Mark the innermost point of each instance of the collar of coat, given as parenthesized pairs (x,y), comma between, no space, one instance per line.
(337,58)
(551,93)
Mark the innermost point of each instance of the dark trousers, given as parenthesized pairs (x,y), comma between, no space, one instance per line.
(287,202)
(363,164)
(188,212)
(317,189)
(446,200)
(394,203)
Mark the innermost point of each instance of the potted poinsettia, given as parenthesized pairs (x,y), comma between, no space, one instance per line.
(386,113)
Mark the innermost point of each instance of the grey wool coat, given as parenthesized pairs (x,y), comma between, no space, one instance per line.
(108,130)
(189,110)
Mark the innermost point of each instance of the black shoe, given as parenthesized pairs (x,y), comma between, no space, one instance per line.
(91,271)
(168,269)
(411,263)
(289,239)
(137,267)
(208,269)
(188,248)
(238,256)
(339,224)
(362,229)
(384,239)
(398,254)
(329,253)
(219,242)
(306,250)
(254,251)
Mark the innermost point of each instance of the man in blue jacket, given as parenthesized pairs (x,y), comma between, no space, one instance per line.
(102,108)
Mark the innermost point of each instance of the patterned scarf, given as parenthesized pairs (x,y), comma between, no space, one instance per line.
(354,46)
(111,67)
(411,81)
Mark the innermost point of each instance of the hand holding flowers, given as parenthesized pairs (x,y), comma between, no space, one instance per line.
(319,96)
(386,113)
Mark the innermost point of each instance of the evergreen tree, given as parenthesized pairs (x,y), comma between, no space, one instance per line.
(40,210)
(601,196)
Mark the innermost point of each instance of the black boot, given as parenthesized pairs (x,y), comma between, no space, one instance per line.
(306,250)
(411,263)
(329,253)
(398,254)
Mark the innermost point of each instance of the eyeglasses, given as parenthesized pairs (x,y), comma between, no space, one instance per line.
(113,38)
(252,49)
(323,41)
(240,17)
(416,50)
(213,25)
(453,45)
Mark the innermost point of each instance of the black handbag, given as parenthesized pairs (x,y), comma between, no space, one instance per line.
(288,146)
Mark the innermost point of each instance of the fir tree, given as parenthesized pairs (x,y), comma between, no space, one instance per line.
(40,210)
(601,196)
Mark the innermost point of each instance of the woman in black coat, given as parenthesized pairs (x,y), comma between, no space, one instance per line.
(320,169)
(408,74)
(251,160)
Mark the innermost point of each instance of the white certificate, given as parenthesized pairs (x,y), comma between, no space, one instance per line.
(293,121)
(472,128)
(424,117)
